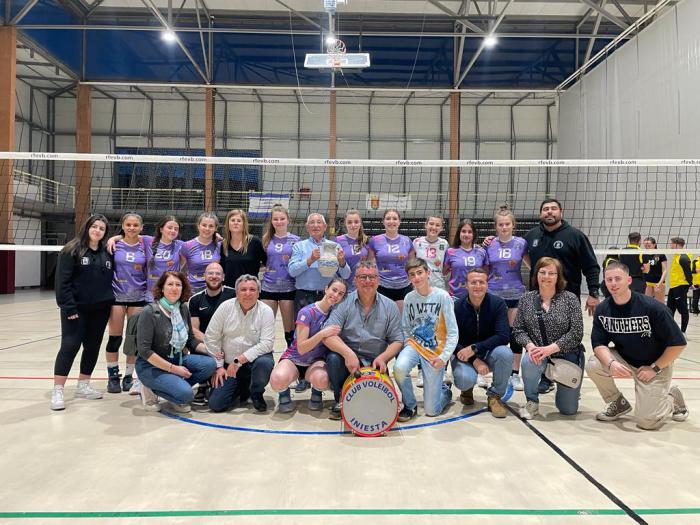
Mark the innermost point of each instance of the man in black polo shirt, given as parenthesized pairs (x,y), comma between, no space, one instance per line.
(202,306)
(647,342)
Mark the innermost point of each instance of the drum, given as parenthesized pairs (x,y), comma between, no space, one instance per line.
(369,404)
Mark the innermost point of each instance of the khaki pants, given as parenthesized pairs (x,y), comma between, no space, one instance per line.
(653,404)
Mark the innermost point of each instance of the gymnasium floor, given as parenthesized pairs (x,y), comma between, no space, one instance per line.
(108,461)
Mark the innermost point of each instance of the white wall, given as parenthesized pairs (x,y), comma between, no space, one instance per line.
(642,102)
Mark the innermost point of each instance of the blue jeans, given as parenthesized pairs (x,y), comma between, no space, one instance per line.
(250,379)
(499,360)
(175,388)
(566,399)
(337,373)
(436,394)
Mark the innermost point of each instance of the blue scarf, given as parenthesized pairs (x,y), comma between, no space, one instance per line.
(180,335)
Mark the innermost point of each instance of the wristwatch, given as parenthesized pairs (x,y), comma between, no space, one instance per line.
(655,368)
(236,361)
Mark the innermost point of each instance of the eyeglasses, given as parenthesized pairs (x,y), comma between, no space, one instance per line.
(366,277)
(543,273)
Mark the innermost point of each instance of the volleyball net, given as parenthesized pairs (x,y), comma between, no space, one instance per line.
(607,199)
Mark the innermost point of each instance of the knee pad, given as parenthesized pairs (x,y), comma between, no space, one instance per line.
(113,344)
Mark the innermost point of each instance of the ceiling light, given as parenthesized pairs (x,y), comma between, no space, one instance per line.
(168,36)
(330,40)
(490,41)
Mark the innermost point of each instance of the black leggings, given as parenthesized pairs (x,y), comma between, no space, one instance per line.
(678,300)
(88,330)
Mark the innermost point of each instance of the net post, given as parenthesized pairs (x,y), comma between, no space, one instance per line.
(210,116)
(331,169)
(453,192)
(83,144)
(8,68)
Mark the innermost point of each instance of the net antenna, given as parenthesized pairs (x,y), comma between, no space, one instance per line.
(336,57)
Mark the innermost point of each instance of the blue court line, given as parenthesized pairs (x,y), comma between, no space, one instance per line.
(509,393)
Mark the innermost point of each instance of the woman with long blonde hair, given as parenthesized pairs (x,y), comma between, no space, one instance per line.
(241,252)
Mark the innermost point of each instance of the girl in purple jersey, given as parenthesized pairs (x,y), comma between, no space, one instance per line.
(462,258)
(354,243)
(165,251)
(506,255)
(278,287)
(391,251)
(305,357)
(131,254)
(199,252)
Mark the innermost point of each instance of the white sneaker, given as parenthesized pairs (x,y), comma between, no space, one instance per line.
(86,391)
(517,382)
(680,410)
(180,409)
(149,399)
(481,381)
(57,402)
(419,380)
(529,410)
(135,389)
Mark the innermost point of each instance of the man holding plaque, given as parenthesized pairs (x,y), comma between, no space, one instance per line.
(431,333)
(314,262)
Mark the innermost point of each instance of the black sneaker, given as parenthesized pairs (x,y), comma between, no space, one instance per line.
(200,396)
(301,385)
(113,386)
(335,413)
(127,382)
(407,414)
(545,386)
(259,403)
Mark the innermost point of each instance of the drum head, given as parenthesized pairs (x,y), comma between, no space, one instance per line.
(370,406)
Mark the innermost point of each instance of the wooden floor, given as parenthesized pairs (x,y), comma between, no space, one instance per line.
(108,461)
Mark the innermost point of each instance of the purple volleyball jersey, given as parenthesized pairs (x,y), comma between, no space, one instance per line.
(166,257)
(354,253)
(276,277)
(198,256)
(391,256)
(460,262)
(314,318)
(505,261)
(129,283)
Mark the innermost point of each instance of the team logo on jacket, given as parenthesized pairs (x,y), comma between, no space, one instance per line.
(535,243)
(558,244)
(85,261)
(108,264)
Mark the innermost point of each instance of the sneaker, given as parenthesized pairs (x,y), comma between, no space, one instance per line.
(481,381)
(259,403)
(127,382)
(200,396)
(419,380)
(113,386)
(335,414)
(149,399)
(545,386)
(615,409)
(301,385)
(496,407)
(467,397)
(135,389)
(517,382)
(680,410)
(180,409)
(86,391)
(316,400)
(407,414)
(529,410)
(284,402)
(57,402)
